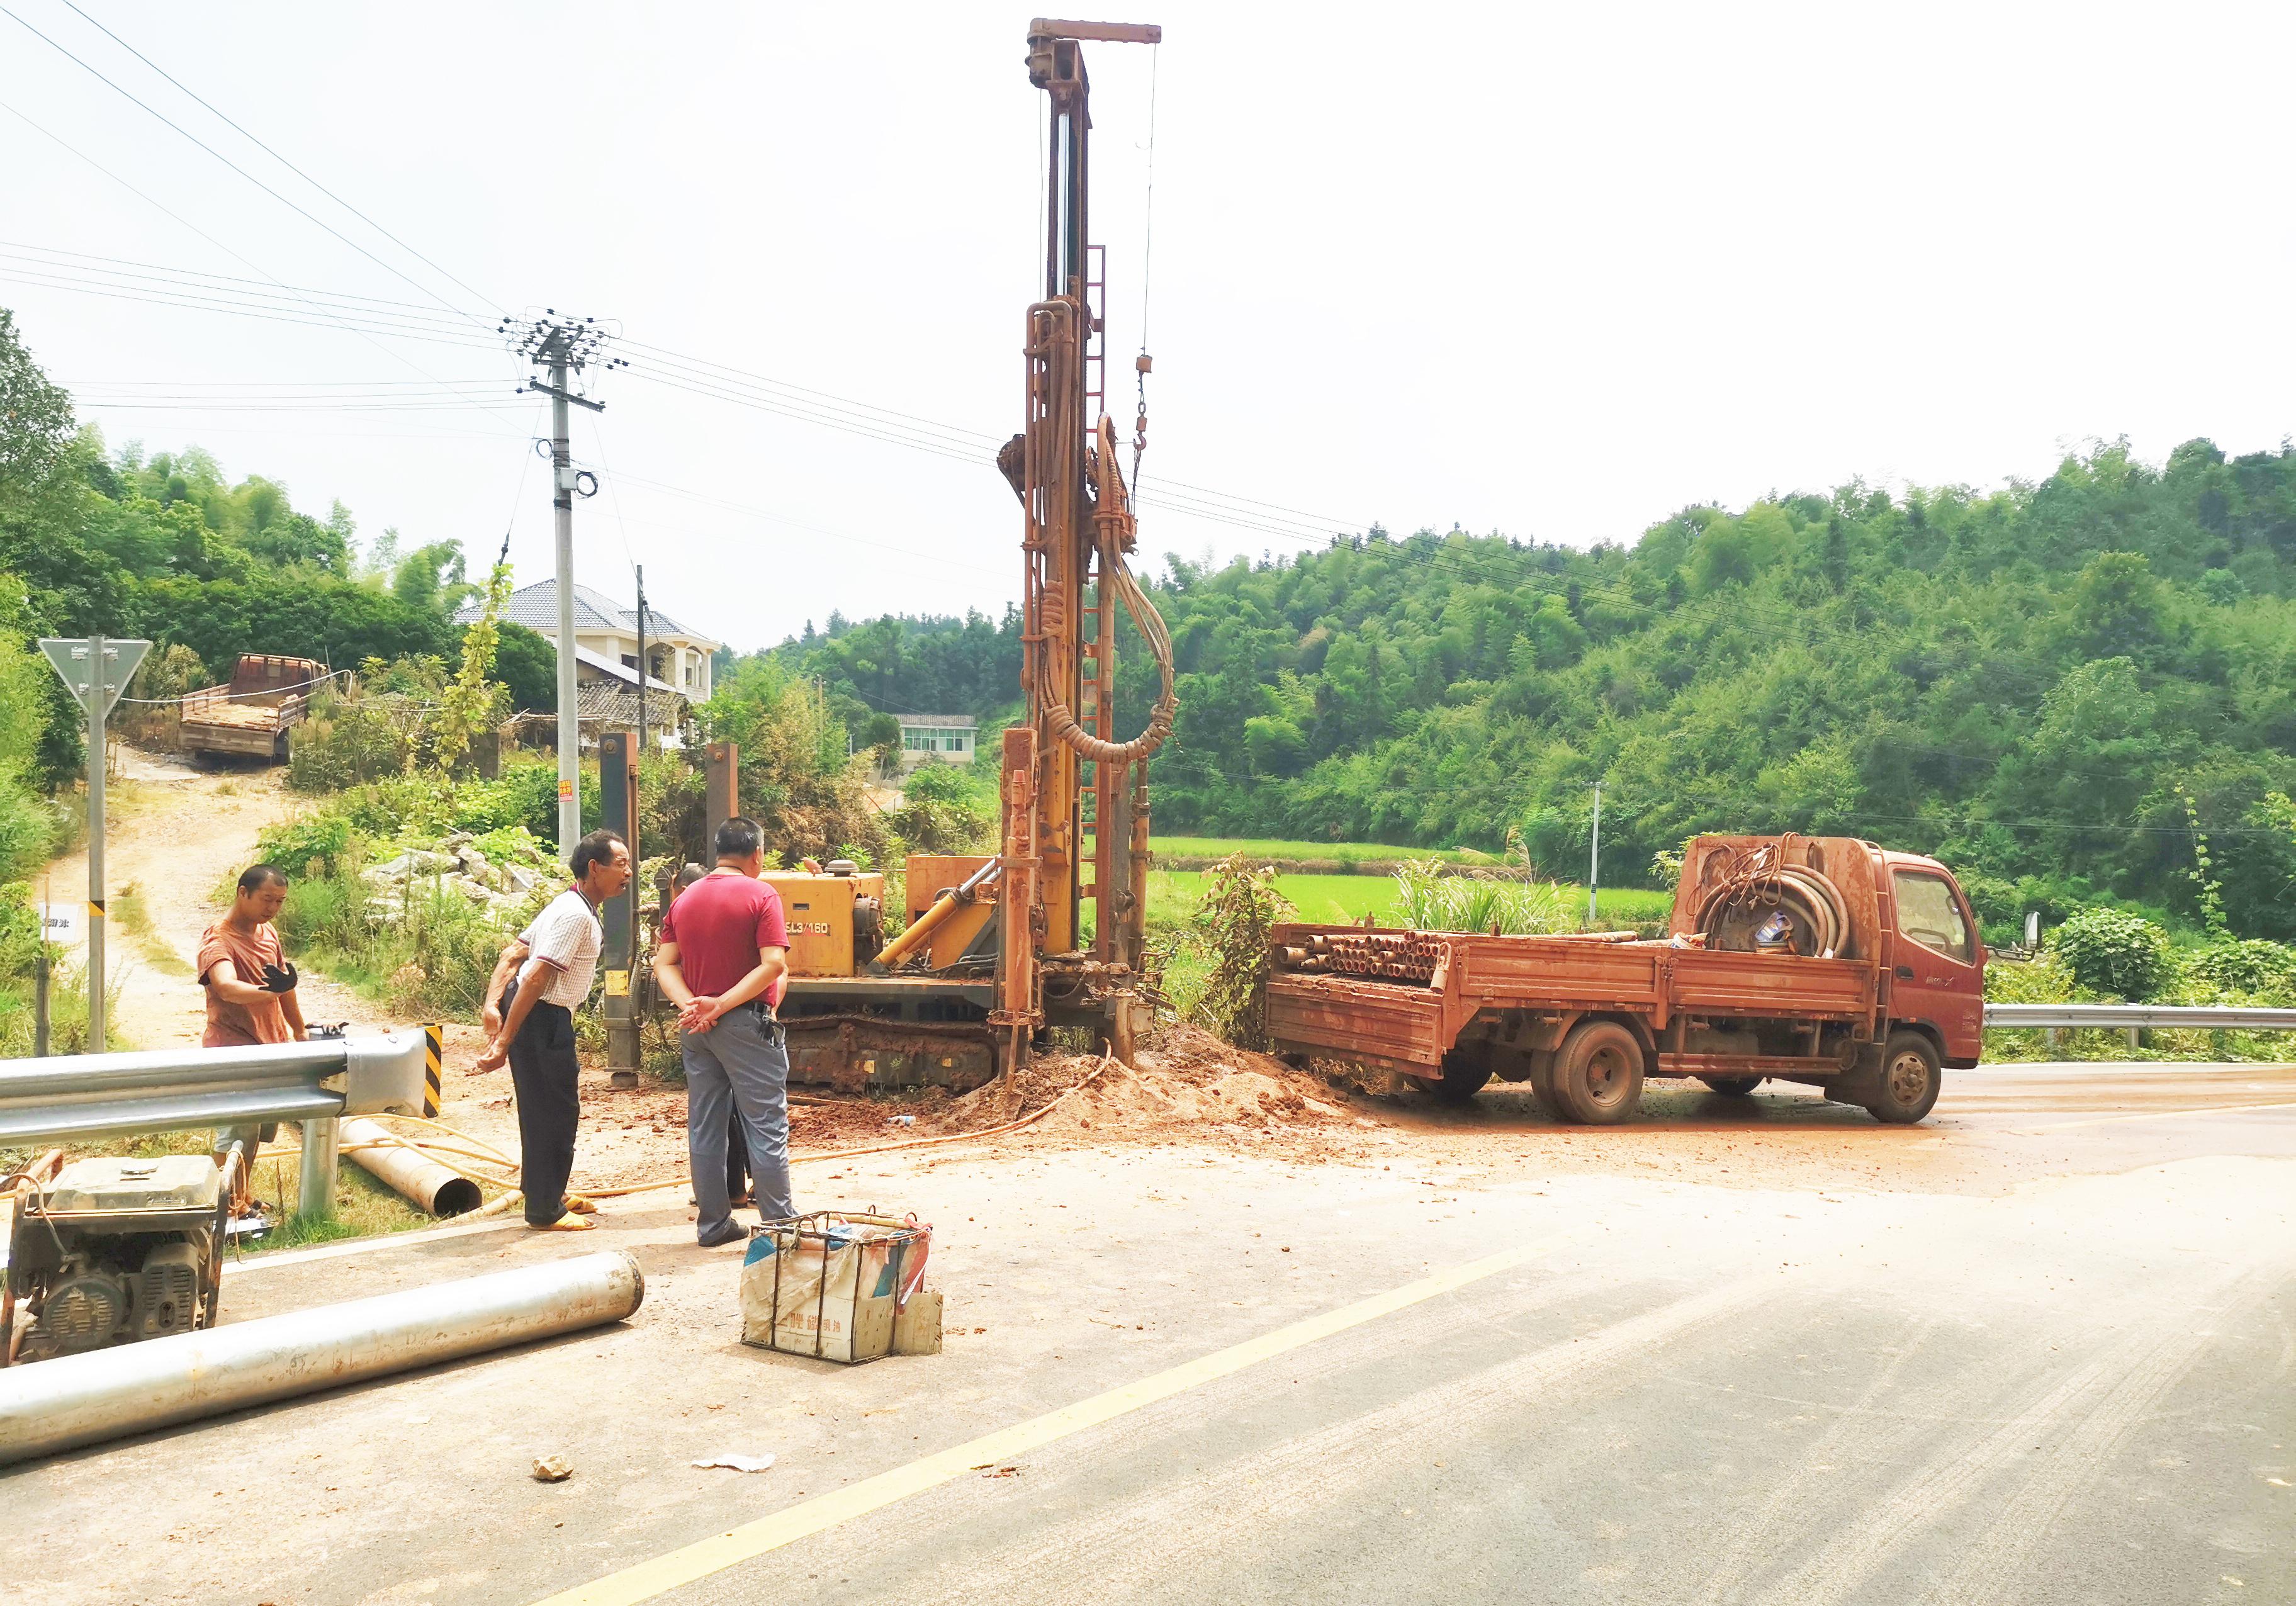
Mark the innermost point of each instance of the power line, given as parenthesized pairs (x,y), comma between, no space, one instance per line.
(219,155)
(222,293)
(112,266)
(326,319)
(201,232)
(289,166)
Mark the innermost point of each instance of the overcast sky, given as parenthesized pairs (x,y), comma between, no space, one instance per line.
(1551,270)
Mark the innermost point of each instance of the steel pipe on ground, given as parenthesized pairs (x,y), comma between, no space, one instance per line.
(46,1406)
(417,1178)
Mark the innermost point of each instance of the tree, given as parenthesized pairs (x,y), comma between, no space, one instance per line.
(528,664)
(474,703)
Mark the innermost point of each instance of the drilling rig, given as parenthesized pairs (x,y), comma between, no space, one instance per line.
(1049,931)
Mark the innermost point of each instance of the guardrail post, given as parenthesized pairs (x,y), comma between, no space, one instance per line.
(315,1189)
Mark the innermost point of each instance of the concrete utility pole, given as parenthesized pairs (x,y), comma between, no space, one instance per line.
(1594,856)
(644,672)
(565,347)
(94,671)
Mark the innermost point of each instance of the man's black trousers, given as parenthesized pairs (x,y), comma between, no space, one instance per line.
(547,1076)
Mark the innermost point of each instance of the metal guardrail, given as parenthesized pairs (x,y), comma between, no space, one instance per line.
(169,1090)
(2201,1016)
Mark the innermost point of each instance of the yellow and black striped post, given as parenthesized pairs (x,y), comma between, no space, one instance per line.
(432,1048)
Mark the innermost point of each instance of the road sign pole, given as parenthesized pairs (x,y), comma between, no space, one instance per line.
(97,706)
(95,671)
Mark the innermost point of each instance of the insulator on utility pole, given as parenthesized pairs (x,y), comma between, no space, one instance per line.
(565,349)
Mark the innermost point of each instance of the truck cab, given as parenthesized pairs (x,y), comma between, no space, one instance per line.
(1936,977)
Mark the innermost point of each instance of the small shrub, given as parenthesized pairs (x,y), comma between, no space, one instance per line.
(2111,952)
(310,845)
(1240,906)
(2254,967)
(30,829)
(945,810)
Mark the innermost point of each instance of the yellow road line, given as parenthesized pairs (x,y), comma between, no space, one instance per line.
(649,1579)
(2153,1115)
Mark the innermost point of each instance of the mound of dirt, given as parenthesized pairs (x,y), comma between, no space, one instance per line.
(1185,1080)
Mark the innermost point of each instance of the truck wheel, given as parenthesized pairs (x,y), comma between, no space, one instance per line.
(1910,1077)
(1464,1076)
(1737,1087)
(1598,1074)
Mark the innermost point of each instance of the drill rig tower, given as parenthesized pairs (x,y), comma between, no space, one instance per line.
(1075,795)
(1048,931)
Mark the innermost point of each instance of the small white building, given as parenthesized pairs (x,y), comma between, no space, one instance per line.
(606,640)
(948,737)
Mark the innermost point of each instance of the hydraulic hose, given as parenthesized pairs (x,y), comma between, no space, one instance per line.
(1062,723)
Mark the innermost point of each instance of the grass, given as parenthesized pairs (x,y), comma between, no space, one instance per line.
(364,1207)
(1345,899)
(1173,896)
(136,920)
(1278,851)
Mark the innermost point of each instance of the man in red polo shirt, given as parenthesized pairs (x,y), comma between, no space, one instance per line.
(724,951)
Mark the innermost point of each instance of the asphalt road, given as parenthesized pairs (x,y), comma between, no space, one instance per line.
(2042,1349)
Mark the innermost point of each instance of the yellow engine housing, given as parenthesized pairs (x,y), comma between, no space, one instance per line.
(822,913)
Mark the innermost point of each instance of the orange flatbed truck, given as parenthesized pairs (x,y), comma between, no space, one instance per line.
(1878,987)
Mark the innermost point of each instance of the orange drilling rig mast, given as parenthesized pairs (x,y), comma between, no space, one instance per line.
(1048,931)
(1075,797)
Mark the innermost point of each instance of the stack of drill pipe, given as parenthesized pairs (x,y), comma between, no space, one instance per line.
(1387,955)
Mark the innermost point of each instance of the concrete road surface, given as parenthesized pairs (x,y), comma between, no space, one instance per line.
(2040,1349)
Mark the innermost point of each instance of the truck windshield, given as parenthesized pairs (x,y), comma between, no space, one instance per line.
(1929,913)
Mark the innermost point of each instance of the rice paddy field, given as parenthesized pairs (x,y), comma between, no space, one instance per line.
(1193,852)
(1174,894)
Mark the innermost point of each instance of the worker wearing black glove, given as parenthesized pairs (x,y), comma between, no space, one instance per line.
(249,984)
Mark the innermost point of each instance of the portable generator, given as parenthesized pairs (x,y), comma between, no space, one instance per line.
(114,1250)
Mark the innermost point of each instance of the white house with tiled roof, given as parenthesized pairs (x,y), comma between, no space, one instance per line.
(925,737)
(606,639)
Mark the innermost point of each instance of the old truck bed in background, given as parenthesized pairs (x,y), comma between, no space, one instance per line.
(268,696)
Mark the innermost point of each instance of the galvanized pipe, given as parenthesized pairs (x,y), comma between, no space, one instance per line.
(419,1179)
(82,1399)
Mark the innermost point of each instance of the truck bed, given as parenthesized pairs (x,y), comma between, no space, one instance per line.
(218,720)
(1408,1023)
(232,716)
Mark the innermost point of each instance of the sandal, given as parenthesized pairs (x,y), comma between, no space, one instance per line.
(564,1223)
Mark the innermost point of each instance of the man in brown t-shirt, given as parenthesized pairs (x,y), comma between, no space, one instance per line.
(249,985)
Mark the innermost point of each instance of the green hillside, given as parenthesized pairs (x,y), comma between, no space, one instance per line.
(2048,684)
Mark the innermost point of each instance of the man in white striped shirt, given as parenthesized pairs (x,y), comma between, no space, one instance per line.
(537,1032)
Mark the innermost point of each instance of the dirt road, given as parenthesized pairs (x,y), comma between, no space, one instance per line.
(177,838)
